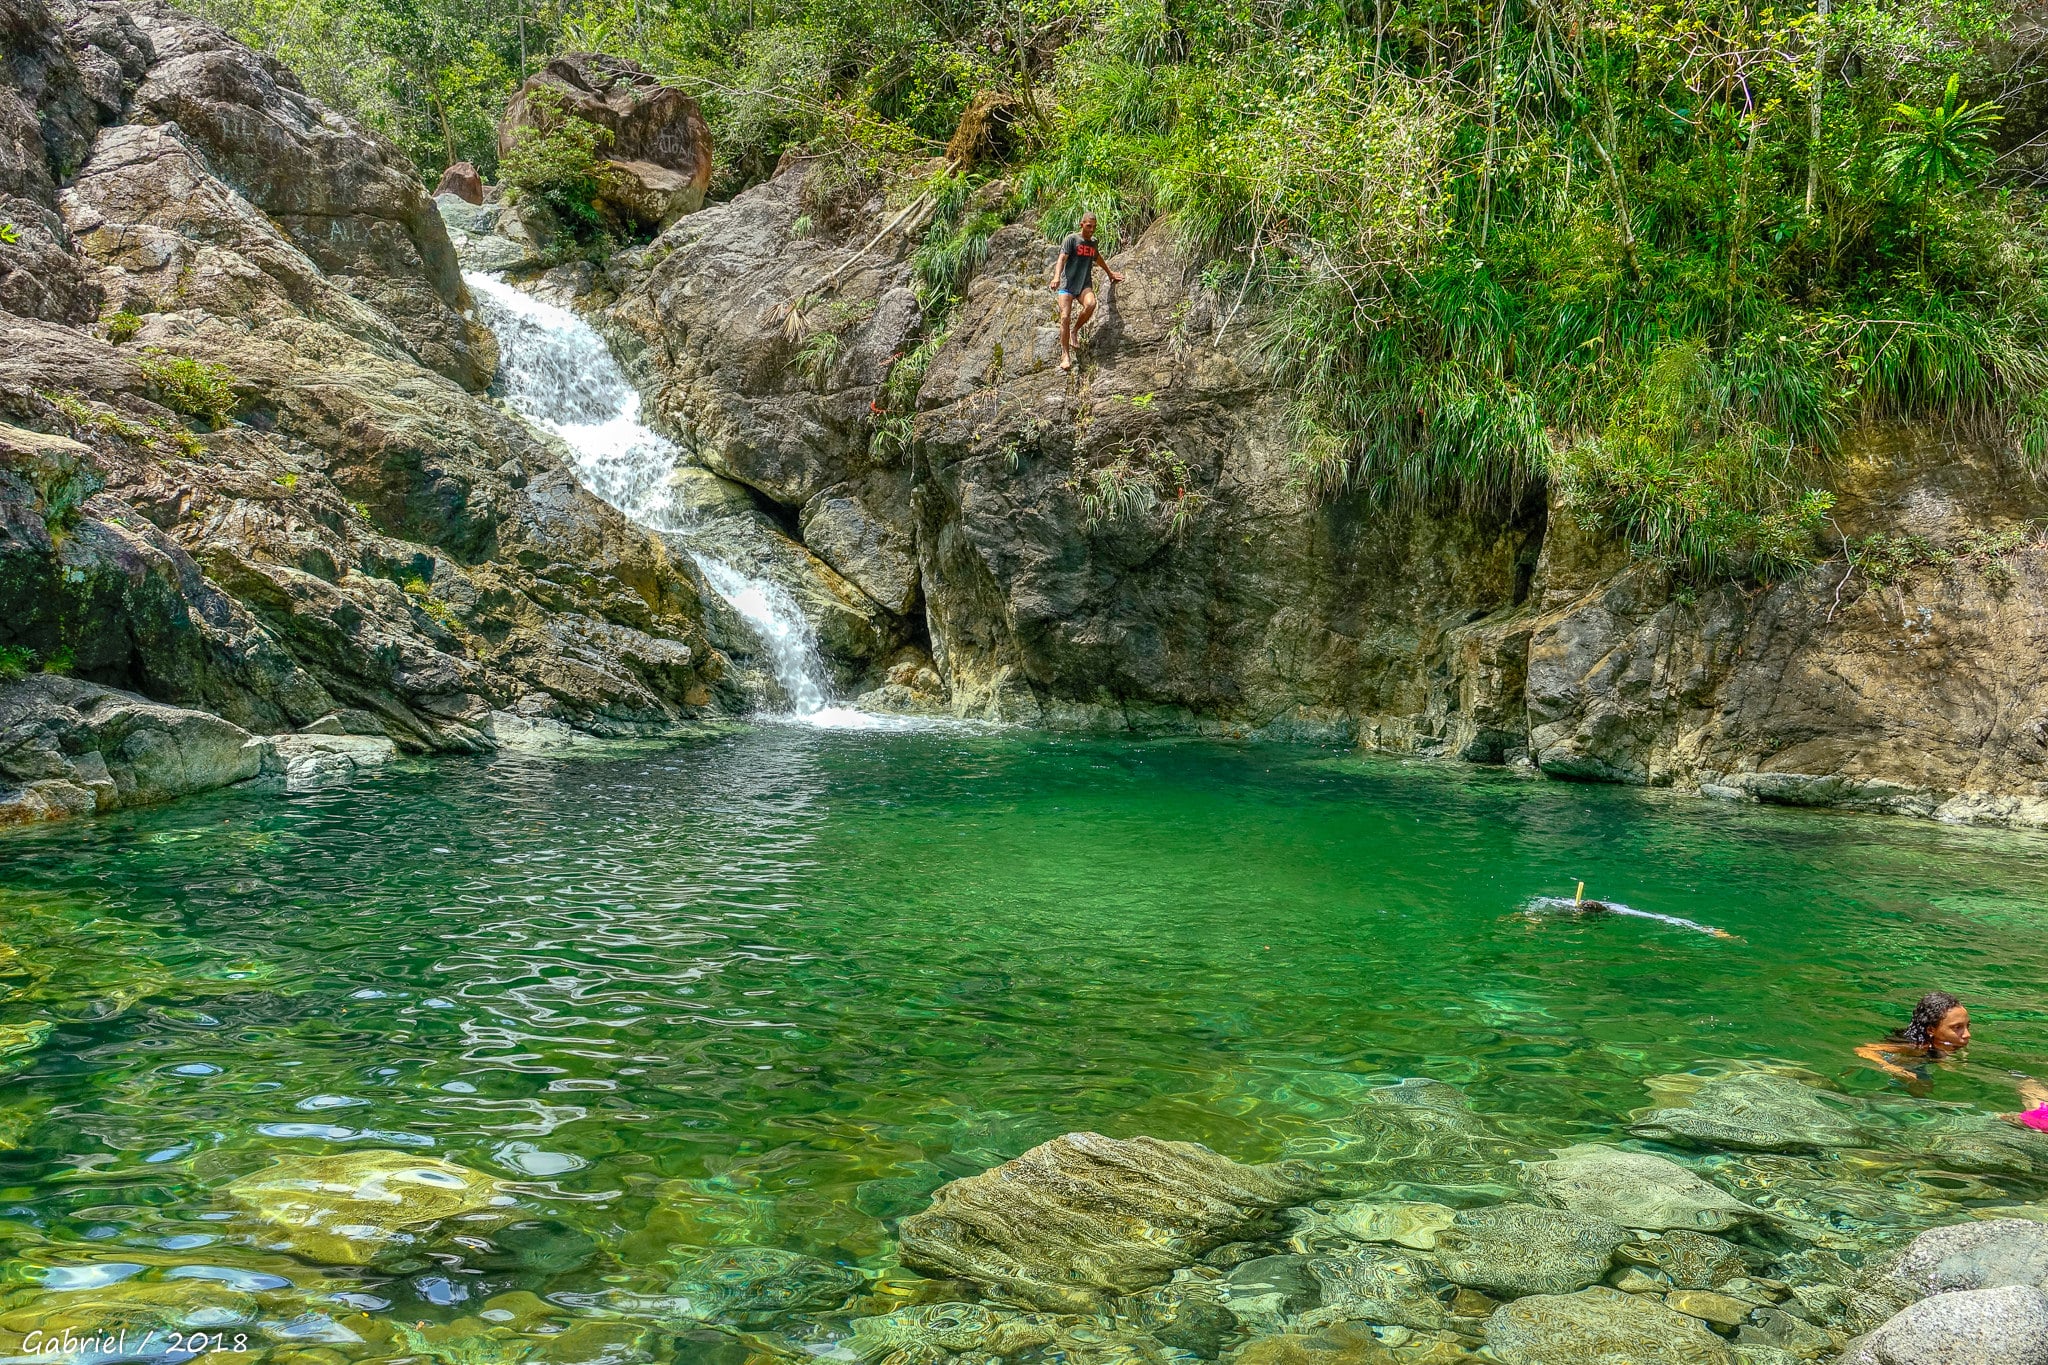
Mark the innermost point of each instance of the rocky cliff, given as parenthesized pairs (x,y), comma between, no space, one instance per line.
(1131,544)
(246,466)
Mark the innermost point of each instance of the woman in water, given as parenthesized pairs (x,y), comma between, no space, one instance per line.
(1939,1031)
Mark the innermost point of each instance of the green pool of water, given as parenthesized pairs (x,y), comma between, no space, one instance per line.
(771,988)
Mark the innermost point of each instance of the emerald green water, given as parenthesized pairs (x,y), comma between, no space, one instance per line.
(768,989)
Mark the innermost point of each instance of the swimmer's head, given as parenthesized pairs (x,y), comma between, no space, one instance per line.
(1939,1021)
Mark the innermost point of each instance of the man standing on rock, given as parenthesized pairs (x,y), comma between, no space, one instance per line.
(1070,276)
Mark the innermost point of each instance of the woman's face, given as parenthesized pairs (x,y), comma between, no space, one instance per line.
(1953,1031)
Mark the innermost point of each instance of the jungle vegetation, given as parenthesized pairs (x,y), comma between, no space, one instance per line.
(1656,257)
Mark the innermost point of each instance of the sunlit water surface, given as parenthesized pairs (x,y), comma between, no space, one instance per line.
(770,988)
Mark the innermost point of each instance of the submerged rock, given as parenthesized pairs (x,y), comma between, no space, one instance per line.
(747,1284)
(1341,1344)
(1420,1137)
(1758,1111)
(18,1041)
(1377,1284)
(1084,1216)
(1636,1190)
(1408,1223)
(2003,1326)
(1600,1327)
(1264,1292)
(350,1208)
(1516,1249)
(1689,1260)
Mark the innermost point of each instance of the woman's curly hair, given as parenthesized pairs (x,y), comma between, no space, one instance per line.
(1932,1009)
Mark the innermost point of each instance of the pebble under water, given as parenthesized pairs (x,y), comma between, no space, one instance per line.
(770,988)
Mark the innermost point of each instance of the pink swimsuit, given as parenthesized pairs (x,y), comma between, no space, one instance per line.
(2036,1118)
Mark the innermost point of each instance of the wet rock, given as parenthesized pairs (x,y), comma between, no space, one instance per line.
(69,747)
(1780,1330)
(1758,1111)
(18,1043)
(932,1333)
(1515,1249)
(1690,1260)
(1376,1284)
(545,1246)
(862,529)
(1600,1327)
(350,1208)
(1708,1306)
(753,1285)
(1186,1316)
(1976,1144)
(1987,1255)
(462,181)
(1418,1138)
(1341,1344)
(1635,1189)
(2003,1326)
(1631,1280)
(308,762)
(1261,1293)
(1084,1217)
(1332,1223)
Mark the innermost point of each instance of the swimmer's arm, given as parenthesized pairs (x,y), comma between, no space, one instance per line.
(1875,1054)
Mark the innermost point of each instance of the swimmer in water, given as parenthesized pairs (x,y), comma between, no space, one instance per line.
(1939,1033)
(1537,909)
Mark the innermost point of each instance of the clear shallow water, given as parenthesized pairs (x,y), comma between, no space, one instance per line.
(768,989)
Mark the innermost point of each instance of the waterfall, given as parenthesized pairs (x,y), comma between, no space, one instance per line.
(556,372)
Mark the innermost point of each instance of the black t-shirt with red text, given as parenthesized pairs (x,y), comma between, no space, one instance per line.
(1081,257)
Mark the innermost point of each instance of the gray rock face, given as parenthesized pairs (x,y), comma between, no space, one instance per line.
(1756,1111)
(1084,1217)
(1377,1284)
(308,762)
(1515,1249)
(1987,1255)
(1636,1190)
(2005,1326)
(1600,1327)
(361,533)
(70,748)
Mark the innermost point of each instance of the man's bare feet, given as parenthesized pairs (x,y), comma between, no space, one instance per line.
(1067,361)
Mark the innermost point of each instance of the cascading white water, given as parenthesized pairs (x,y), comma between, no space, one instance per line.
(559,375)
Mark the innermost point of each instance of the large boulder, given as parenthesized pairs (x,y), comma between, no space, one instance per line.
(659,157)
(1084,1217)
(1635,1189)
(2004,1326)
(1988,1255)
(1600,1327)
(69,747)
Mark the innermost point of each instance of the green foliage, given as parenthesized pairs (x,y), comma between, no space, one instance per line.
(9,233)
(554,161)
(1939,147)
(1659,256)
(122,327)
(1885,559)
(1133,483)
(197,388)
(16,663)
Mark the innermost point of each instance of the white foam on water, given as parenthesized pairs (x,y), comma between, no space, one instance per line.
(1566,905)
(557,372)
